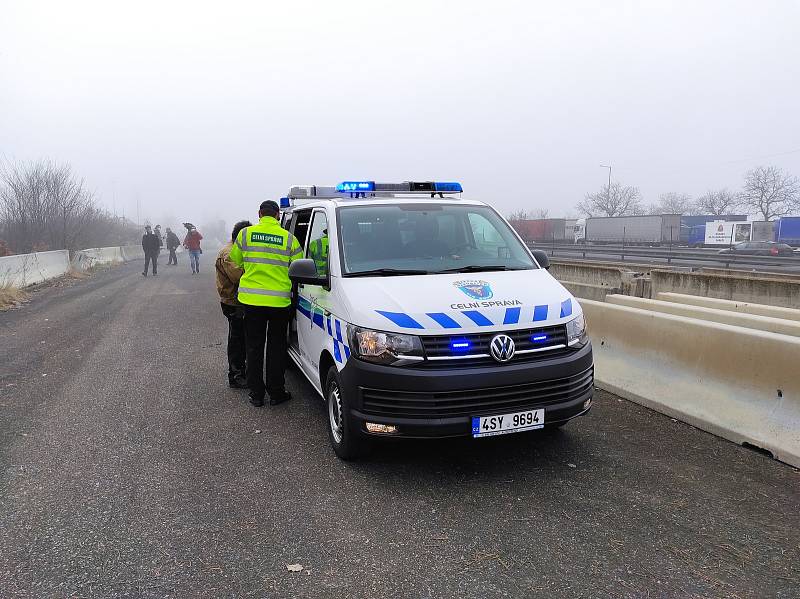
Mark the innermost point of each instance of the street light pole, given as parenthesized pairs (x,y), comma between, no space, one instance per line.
(608,166)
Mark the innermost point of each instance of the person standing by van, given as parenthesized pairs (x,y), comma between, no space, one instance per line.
(228,275)
(265,251)
(192,243)
(150,246)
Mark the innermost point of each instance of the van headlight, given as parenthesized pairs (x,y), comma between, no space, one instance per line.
(385,348)
(576,329)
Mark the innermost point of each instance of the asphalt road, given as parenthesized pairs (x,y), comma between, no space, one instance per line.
(129,469)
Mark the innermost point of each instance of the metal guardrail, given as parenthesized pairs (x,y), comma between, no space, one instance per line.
(670,254)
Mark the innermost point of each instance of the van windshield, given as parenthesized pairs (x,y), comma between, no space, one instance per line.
(427,239)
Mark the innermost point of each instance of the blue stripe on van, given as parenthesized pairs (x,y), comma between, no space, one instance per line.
(512,316)
(401,319)
(566,308)
(478,318)
(339,331)
(540,313)
(444,320)
(337,353)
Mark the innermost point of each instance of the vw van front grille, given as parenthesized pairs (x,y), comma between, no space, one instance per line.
(530,345)
(447,404)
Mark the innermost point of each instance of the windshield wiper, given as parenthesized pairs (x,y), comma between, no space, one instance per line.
(478,268)
(386,272)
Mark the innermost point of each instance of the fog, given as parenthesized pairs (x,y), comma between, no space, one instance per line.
(201,110)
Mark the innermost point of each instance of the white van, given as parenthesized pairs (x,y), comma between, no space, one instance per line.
(421,314)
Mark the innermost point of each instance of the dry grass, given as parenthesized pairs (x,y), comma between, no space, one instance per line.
(11,297)
(73,273)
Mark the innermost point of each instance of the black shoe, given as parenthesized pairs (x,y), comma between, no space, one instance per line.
(144,274)
(275,400)
(237,383)
(256,401)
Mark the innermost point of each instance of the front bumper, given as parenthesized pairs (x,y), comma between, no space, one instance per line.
(441,402)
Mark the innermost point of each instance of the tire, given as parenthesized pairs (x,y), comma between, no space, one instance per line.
(347,441)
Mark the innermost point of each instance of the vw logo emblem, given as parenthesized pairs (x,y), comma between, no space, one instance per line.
(502,348)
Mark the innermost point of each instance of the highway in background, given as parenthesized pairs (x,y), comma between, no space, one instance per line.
(675,256)
(128,468)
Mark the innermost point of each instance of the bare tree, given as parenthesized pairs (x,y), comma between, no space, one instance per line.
(770,192)
(673,203)
(719,202)
(517,215)
(43,205)
(540,213)
(613,200)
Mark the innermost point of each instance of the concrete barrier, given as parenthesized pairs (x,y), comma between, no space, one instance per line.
(589,291)
(738,383)
(720,304)
(784,292)
(22,270)
(618,279)
(86,259)
(748,273)
(739,319)
(132,252)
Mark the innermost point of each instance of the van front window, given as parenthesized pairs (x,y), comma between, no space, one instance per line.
(427,239)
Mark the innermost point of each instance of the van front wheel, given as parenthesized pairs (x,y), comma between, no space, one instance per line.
(345,437)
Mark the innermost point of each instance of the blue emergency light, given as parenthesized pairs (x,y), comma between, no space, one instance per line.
(448,187)
(285,203)
(460,345)
(538,338)
(356,186)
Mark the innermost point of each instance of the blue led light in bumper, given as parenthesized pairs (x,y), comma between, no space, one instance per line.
(460,345)
(538,338)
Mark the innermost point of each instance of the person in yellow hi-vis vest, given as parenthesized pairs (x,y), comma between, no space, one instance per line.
(318,251)
(265,251)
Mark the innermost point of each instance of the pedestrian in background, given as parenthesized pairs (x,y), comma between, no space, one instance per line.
(157,233)
(172,244)
(228,275)
(265,251)
(192,243)
(150,247)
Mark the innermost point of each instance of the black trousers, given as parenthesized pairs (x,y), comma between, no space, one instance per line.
(173,258)
(237,350)
(148,257)
(256,321)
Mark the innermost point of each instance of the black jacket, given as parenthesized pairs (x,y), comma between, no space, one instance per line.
(150,243)
(172,241)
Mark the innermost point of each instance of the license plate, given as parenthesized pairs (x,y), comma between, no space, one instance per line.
(503,424)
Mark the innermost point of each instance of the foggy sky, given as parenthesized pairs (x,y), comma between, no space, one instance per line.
(202,110)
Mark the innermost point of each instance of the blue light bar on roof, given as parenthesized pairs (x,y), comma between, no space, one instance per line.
(356,186)
(448,187)
(285,203)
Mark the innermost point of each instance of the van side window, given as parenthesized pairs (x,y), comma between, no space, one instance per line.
(317,249)
(298,225)
(487,237)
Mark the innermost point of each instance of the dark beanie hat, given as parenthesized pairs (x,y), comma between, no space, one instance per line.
(269,207)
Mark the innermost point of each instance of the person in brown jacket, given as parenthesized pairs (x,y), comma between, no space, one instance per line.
(228,275)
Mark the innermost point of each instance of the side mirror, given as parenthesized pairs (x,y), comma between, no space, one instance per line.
(541,258)
(304,272)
